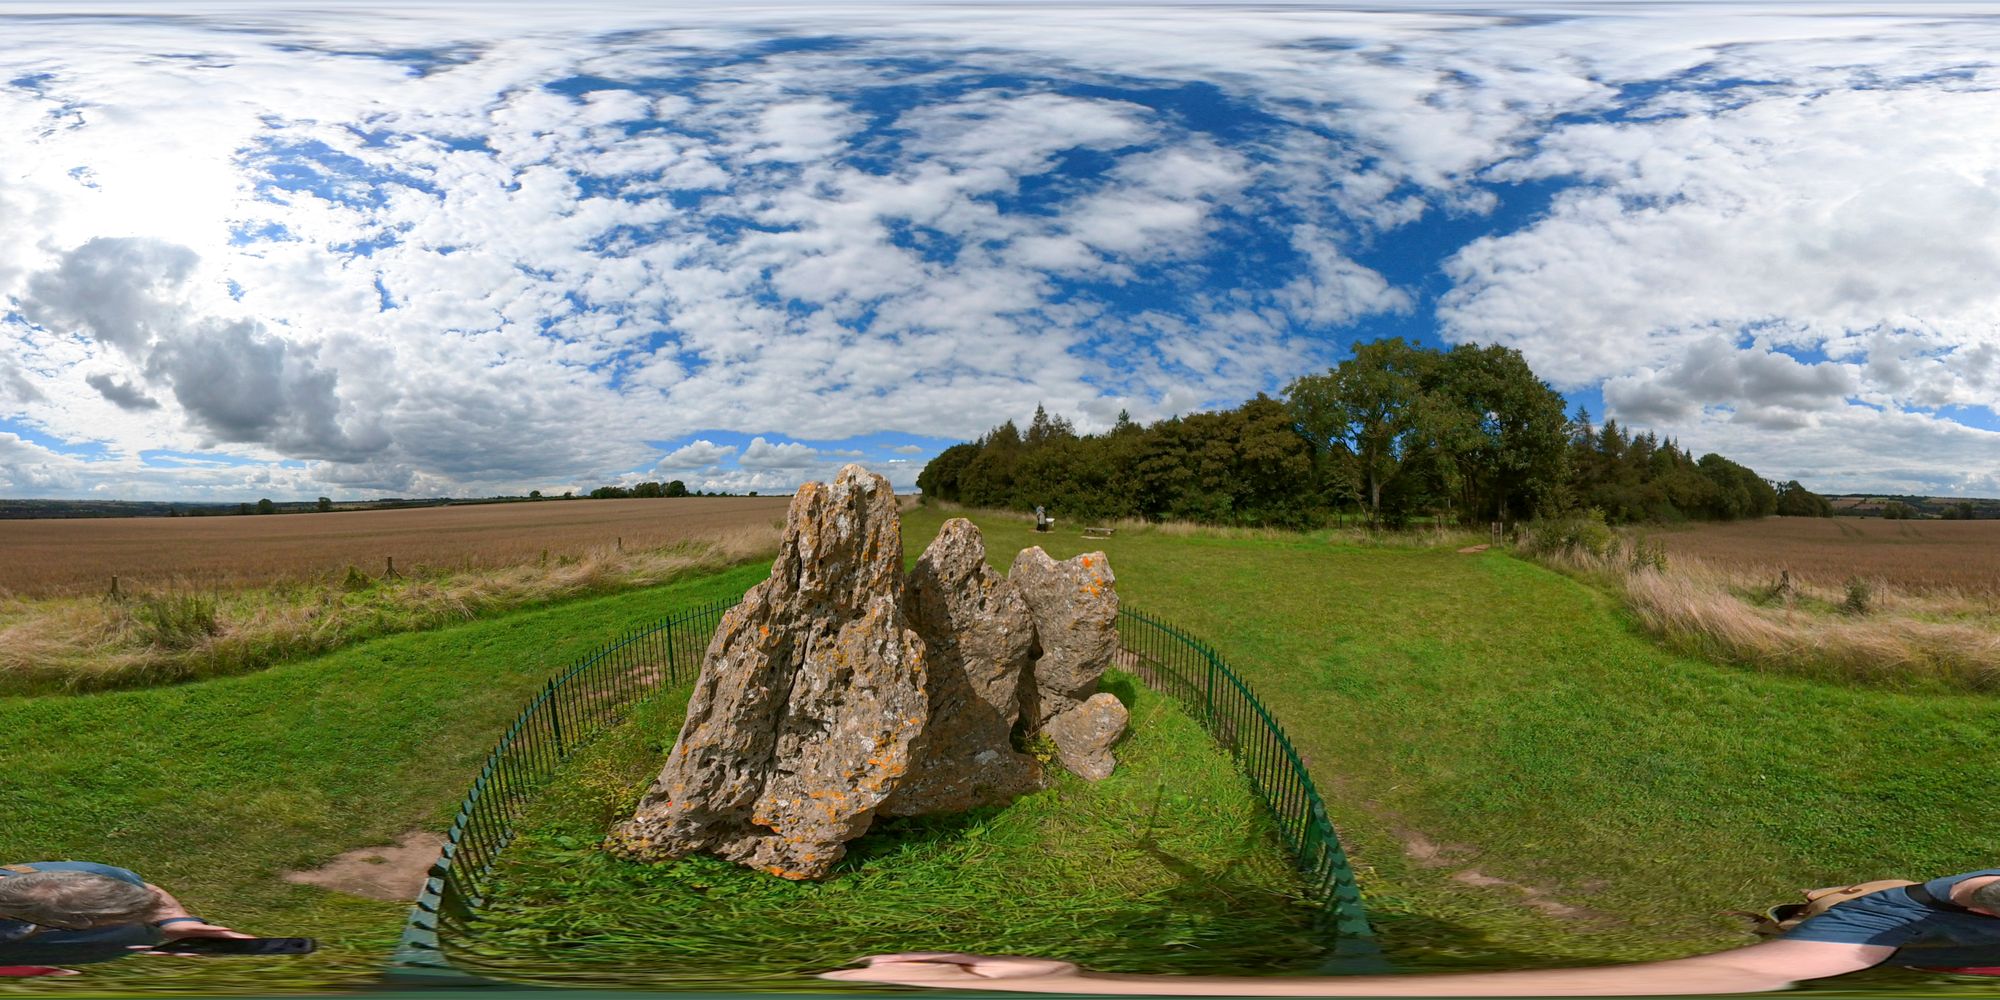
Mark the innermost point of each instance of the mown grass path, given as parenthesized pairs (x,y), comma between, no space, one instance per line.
(1516,721)
(214,789)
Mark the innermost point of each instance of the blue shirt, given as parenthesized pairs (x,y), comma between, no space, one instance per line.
(21,944)
(1923,935)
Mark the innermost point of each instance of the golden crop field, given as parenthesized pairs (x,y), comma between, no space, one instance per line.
(1909,555)
(40,558)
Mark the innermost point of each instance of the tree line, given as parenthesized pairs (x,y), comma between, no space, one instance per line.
(1395,433)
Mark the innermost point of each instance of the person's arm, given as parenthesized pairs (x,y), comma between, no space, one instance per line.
(1771,965)
(174,921)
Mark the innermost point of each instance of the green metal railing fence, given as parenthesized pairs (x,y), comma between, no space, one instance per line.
(571,708)
(1188,670)
(578,704)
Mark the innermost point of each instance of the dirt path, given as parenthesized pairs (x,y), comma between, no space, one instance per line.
(394,874)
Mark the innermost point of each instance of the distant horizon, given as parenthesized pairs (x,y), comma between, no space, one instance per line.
(580,495)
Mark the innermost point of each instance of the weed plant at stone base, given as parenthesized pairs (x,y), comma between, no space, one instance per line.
(1170,865)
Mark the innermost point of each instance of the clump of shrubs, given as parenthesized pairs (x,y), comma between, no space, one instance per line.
(1577,533)
(1860,596)
(177,620)
(1647,553)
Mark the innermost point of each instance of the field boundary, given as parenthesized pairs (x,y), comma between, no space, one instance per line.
(577,705)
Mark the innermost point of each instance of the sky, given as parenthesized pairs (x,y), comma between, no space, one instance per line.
(435,249)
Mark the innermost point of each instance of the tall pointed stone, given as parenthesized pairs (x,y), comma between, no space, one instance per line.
(808,700)
(977,635)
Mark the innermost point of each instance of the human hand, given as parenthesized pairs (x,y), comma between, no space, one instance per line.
(178,931)
(955,968)
(185,929)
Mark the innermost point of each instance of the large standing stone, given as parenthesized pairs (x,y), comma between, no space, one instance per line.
(1075,608)
(977,636)
(808,700)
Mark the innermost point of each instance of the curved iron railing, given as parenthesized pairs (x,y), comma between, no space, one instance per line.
(578,704)
(1189,670)
(571,709)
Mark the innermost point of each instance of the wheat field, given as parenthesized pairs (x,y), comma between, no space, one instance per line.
(1912,556)
(49,558)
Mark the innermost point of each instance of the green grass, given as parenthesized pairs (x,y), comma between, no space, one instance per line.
(214,789)
(1477,699)
(1488,703)
(1169,865)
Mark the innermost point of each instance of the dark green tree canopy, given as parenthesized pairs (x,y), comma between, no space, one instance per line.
(1398,431)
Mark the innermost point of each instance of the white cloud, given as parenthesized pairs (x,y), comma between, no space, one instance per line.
(696,455)
(762,454)
(207,244)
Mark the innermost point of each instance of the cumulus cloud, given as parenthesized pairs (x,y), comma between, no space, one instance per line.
(421,250)
(28,467)
(124,395)
(120,291)
(696,455)
(761,454)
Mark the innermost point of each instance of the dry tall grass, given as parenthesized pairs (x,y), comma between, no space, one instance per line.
(1859,629)
(174,631)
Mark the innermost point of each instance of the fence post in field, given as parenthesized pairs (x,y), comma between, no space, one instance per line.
(390,572)
(114,586)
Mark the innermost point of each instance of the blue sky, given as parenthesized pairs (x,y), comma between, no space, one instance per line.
(443,252)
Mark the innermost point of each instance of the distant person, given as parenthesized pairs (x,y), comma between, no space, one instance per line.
(62,913)
(1946,924)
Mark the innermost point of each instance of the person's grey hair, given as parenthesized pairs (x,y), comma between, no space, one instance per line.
(74,899)
(1986,897)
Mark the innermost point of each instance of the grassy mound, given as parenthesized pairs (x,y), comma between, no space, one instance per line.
(1169,865)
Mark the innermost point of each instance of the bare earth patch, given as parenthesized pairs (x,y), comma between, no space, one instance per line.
(1429,854)
(1475,548)
(393,874)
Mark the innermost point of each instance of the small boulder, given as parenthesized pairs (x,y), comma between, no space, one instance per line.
(1084,735)
(1075,608)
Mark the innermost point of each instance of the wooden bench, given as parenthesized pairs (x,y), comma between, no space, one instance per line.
(1098,532)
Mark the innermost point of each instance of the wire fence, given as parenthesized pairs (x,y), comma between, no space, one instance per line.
(569,711)
(575,706)
(1170,660)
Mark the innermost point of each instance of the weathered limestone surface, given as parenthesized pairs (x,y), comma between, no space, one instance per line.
(840,690)
(1084,734)
(977,636)
(808,700)
(1075,609)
